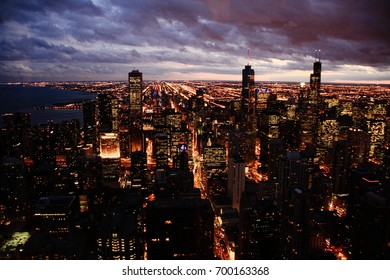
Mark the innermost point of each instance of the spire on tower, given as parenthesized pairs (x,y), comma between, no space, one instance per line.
(317,55)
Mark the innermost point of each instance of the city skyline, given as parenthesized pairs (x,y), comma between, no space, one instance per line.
(193,40)
(198,170)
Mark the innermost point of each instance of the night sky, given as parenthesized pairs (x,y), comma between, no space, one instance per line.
(72,40)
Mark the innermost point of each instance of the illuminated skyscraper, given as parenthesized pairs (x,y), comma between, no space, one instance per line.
(162,150)
(315,77)
(308,106)
(110,154)
(248,105)
(248,83)
(135,91)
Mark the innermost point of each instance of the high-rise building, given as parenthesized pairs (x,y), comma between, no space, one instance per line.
(135,110)
(376,124)
(12,191)
(15,134)
(358,146)
(248,108)
(89,124)
(315,77)
(259,236)
(368,216)
(248,83)
(236,179)
(139,171)
(308,105)
(161,146)
(110,154)
(43,142)
(108,112)
(269,139)
(214,165)
(119,236)
(89,172)
(295,177)
(340,167)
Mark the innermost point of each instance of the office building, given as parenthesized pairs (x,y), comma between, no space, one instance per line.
(135,111)
(107,105)
(236,179)
(259,237)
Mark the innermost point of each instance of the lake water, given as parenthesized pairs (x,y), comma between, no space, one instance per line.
(19,98)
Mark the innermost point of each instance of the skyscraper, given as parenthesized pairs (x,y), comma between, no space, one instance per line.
(236,179)
(248,83)
(135,93)
(308,106)
(89,127)
(248,105)
(108,112)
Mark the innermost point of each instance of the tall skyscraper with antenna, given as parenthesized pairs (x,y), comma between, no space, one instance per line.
(309,102)
(248,82)
(248,105)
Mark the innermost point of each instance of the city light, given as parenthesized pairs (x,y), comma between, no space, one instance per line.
(200,170)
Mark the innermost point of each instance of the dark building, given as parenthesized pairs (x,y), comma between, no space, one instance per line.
(270,143)
(180,229)
(119,238)
(289,133)
(161,146)
(89,172)
(296,181)
(372,238)
(248,83)
(13,193)
(260,219)
(358,147)
(44,246)
(89,124)
(139,172)
(43,143)
(56,214)
(15,134)
(340,167)
(180,181)
(107,112)
(368,216)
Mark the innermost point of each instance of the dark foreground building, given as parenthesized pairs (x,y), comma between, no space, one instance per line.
(180,229)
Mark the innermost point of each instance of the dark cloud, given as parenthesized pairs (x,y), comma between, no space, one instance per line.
(191,35)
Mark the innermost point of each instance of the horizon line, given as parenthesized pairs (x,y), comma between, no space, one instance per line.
(376,82)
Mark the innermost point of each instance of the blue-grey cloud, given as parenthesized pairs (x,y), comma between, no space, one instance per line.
(208,34)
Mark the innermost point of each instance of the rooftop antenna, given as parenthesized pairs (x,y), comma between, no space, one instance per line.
(317,55)
(247,57)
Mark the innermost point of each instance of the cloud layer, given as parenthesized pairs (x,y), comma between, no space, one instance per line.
(175,39)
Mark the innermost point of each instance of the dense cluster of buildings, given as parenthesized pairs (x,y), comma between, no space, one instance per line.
(167,171)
